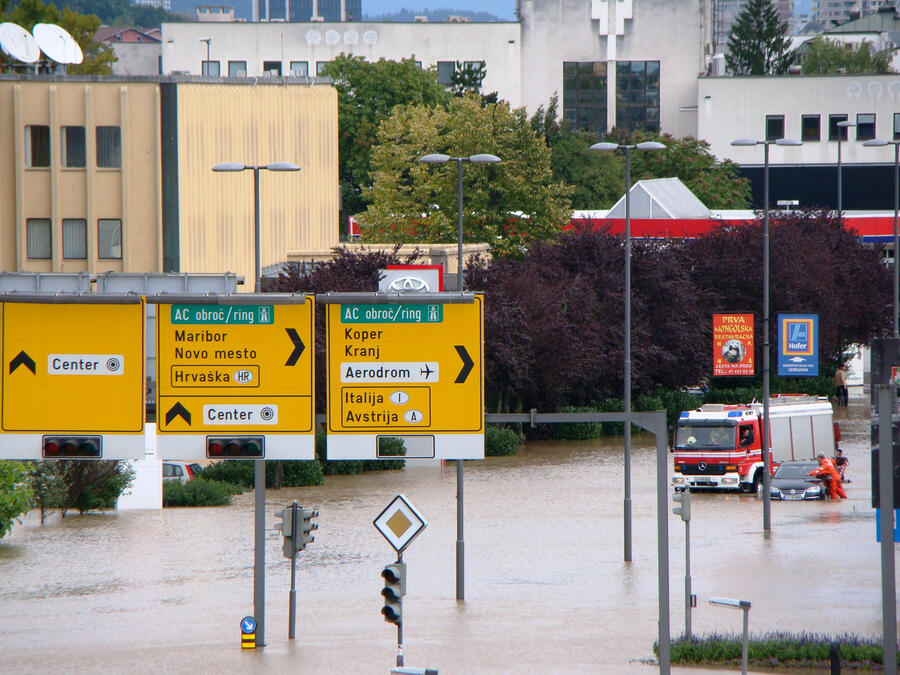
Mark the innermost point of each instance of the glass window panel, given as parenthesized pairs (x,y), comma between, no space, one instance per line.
(37,145)
(570,114)
(209,68)
(653,115)
(585,96)
(570,68)
(568,97)
(37,238)
(810,128)
(320,66)
(653,98)
(865,126)
(272,68)
(637,97)
(834,131)
(299,68)
(896,126)
(74,238)
(109,147)
(237,69)
(586,68)
(72,140)
(637,115)
(600,69)
(774,127)
(109,238)
(445,71)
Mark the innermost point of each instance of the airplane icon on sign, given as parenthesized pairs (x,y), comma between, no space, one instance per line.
(426,371)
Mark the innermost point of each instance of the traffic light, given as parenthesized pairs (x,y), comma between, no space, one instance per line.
(234,447)
(394,589)
(306,527)
(683,498)
(287,529)
(71,447)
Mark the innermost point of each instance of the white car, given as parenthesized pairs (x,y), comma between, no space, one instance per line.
(180,471)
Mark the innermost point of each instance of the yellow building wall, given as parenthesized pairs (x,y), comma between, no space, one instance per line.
(255,125)
(130,193)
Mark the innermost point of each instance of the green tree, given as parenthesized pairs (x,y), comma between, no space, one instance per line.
(509,205)
(98,57)
(716,183)
(367,93)
(15,494)
(825,56)
(758,43)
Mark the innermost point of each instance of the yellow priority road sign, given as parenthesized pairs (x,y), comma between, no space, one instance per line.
(241,365)
(410,369)
(72,364)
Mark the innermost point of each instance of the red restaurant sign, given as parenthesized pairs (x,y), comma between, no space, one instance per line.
(732,344)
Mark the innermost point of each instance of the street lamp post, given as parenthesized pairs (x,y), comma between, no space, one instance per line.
(878,143)
(609,147)
(844,124)
(744,606)
(259,465)
(474,159)
(767,503)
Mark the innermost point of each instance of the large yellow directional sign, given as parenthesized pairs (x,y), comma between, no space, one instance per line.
(242,367)
(409,370)
(73,366)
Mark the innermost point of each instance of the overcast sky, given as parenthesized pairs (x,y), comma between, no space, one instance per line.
(504,9)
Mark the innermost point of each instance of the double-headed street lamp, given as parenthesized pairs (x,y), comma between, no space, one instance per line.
(842,127)
(259,471)
(474,159)
(767,515)
(609,147)
(274,166)
(878,143)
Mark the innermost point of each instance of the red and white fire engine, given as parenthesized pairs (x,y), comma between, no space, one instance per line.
(720,446)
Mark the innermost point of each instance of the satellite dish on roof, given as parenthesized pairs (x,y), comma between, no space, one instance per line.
(18,43)
(56,43)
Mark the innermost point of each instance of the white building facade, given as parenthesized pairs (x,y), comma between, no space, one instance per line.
(611,62)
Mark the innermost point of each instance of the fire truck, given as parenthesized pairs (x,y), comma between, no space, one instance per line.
(720,446)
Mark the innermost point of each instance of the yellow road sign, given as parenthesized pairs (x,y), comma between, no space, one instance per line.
(239,368)
(72,367)
(405,369)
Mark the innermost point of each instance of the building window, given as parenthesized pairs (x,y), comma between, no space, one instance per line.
(109,147)
(584,95)
(37,145)
(774,127)
(445,71)
(865,126)
(72,147)
(834,131)
(299,68)
(37,238)
(74,238)
(896,126)
(637,95)
(109,238)
(237,69)
(272,68)
(320,66)
(418,64)
(810,128)
(209,68)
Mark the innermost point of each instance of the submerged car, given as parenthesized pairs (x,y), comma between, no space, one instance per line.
(793,482)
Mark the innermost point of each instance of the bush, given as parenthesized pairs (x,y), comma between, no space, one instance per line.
(239,472)
(575,431)
(672,401)
(388,445)
(197,492)
(296,473)
(500,441)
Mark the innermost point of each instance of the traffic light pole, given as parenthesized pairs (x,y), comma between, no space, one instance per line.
(295,537)
(259,564)
(400,623)
(687,579)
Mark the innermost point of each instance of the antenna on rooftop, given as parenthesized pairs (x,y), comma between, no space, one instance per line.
(57,43)
(18,43)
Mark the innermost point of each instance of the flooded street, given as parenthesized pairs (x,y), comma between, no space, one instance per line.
(546,588)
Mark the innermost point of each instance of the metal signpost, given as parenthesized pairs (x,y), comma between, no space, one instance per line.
(235,380)
(684,510)
(71,376)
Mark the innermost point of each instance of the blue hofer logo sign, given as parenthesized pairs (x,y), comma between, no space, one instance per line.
(798,345)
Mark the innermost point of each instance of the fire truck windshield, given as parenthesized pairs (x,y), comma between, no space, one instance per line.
(706,437)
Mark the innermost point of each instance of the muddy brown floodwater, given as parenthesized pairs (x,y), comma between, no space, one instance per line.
(547,590)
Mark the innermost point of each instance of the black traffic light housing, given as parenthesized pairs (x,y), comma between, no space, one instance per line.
(235,447)
(72,447)
(394,576)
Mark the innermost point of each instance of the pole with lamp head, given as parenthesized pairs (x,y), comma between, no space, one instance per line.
(609,147)
(436,158)
(767,462)
(259,471)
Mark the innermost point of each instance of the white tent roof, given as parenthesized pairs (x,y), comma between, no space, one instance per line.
(661,198)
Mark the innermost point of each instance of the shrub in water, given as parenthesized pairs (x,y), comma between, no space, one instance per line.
(238,472)
(197,492)
(500,441)
(575,431)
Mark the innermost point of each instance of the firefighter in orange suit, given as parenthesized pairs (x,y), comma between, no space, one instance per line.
(829,475)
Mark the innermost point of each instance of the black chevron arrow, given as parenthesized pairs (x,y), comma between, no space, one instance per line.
(22,359)
(298,347)
(467,364)
(177,410)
